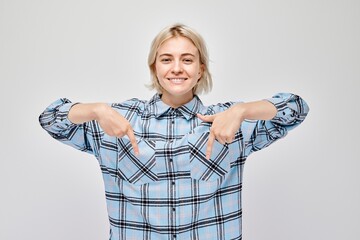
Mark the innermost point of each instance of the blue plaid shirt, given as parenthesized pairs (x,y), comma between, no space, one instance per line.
(171,191)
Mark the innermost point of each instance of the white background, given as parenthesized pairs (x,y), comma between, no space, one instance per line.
(306,186)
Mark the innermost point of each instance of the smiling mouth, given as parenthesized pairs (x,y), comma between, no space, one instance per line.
(177,80)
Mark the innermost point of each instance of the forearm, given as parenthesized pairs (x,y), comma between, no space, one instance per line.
(85,112)
(54,119)
(257,110)
(110,121)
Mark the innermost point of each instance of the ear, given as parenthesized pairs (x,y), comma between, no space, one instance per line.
(153,67)
(201,71)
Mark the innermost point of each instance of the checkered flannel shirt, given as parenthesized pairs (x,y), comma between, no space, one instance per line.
(171,191)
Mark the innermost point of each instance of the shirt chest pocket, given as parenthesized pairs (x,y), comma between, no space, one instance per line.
(219,163)
(136,169)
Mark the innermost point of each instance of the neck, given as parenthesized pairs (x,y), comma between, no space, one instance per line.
(176,101)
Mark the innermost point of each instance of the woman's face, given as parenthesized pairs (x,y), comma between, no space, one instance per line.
(178,69)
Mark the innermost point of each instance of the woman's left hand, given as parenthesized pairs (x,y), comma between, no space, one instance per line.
(224,126)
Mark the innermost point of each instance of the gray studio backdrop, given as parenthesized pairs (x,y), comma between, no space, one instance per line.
(303,187)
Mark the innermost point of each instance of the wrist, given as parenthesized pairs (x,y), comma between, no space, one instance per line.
(240,111)
(98,110)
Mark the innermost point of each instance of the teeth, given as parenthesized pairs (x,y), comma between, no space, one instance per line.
(177,80)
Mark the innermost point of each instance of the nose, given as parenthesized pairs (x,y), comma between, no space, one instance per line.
(176,68)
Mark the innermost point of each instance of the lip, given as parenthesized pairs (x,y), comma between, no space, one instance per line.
(175,78)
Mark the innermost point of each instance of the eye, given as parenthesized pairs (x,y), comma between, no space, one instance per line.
(165,60)
(187,60)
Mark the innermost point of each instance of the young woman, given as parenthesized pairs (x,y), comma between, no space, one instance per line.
(173,167)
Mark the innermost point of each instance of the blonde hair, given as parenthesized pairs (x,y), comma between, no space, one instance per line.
(176,30)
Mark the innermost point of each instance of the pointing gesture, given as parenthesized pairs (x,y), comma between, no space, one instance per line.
(225,124)
(110,120)
(116,125)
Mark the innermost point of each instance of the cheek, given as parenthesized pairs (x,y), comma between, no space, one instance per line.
(160,70)
(194,71)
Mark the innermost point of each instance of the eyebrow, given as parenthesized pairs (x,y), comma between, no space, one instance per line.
(184,54)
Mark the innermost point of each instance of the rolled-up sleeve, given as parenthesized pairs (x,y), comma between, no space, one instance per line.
(291,112)
(55,121)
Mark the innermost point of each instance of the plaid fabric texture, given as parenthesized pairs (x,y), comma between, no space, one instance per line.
(171,191)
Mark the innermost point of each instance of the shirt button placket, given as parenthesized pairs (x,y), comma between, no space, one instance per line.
(173,118)
(173,206)
(173,183)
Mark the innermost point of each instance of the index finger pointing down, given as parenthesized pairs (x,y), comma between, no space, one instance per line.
(210,145)
(130,134)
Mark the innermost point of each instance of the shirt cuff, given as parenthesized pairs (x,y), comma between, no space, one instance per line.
(65,109)
(62,121)
(284,113)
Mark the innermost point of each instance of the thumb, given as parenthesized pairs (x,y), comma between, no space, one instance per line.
(206,118)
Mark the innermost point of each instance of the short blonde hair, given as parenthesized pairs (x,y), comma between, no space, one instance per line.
(176,30)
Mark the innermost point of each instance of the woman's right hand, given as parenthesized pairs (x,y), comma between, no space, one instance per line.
(112,123)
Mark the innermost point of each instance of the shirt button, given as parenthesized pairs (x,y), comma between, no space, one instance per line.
(170,160)
(173,209)
(173,183)
(174,236)
(172,122)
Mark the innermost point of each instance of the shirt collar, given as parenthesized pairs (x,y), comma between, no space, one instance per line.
(188,110)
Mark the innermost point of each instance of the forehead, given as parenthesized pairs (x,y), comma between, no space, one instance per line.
(176,45)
